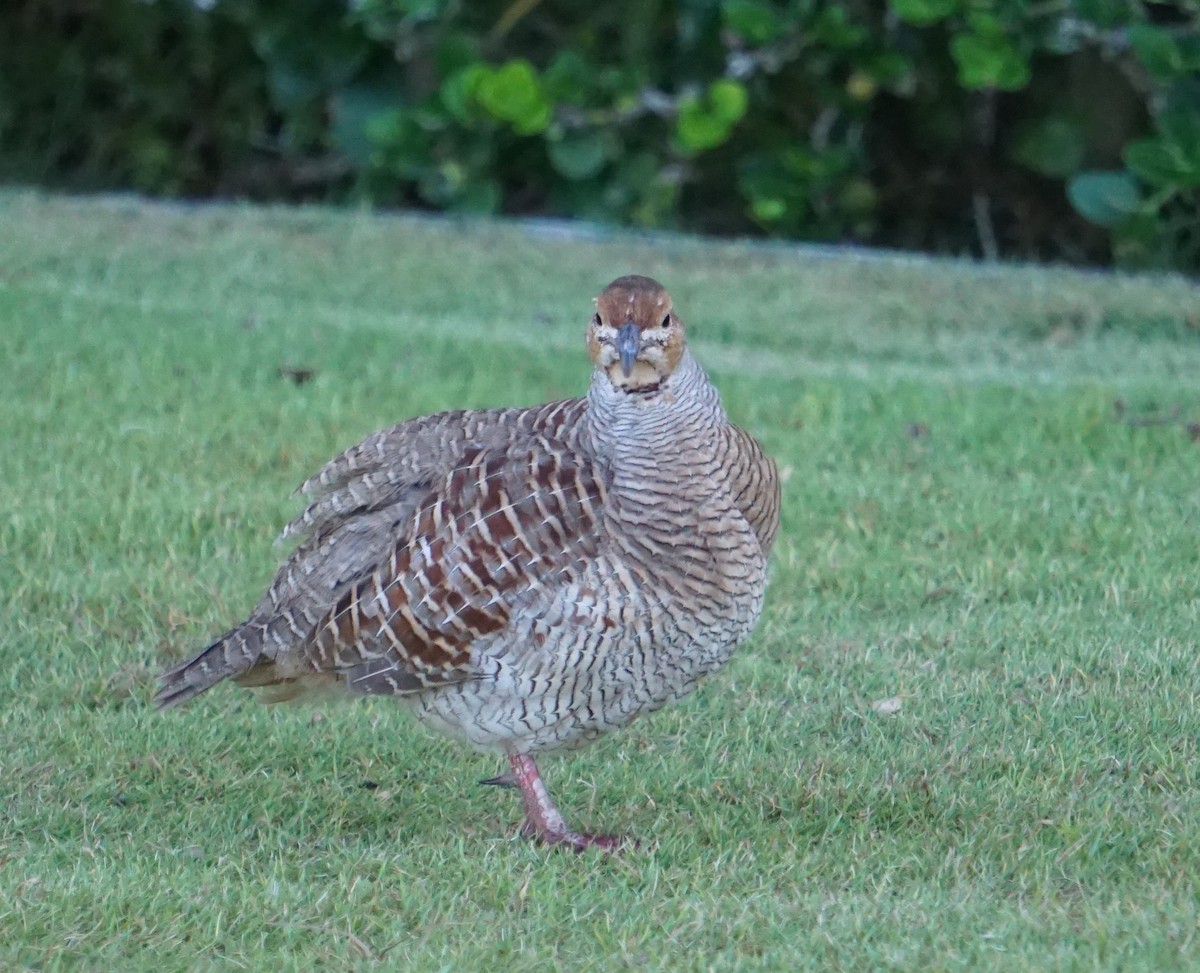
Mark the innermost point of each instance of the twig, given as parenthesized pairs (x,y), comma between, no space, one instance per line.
(983,226)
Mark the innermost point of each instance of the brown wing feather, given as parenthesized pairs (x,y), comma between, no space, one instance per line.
(394,465)
(364,502)
(502,525)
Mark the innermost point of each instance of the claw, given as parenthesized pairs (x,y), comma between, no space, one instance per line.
(543,822)
(503,780)
(579,843)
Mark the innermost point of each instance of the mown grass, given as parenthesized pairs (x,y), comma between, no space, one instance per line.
(991,515)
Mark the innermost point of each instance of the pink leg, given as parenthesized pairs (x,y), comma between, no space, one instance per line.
(543,820)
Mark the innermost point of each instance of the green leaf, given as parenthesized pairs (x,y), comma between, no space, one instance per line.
(1182,96)
(1189,51)
(568,78)
(989,61)
(728,99)
(833,28)
(768,209)
(1053,146)
(755,22)
(1182,129)
(1164,164)
(985,23)
(706,123)
(889,67)
(536,121)
(401,146)
(1104,198)
(513,93)
(1105,14)
(458,91)
(1171,159)
(1157,51)
(697,128)
(579,155)
(924,11)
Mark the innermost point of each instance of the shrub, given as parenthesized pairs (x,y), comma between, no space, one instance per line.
(1066,130)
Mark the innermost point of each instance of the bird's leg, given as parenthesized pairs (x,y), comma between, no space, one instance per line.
(542,819)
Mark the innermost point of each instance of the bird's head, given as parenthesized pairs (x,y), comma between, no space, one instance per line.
(635,337)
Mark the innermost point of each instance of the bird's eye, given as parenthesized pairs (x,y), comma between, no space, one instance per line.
(596,320)
(666,321)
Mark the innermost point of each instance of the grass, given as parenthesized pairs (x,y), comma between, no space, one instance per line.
(991,517)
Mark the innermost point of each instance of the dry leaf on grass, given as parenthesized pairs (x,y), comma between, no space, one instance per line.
(888,707)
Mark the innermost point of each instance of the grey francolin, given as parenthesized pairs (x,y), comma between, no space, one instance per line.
(526,579)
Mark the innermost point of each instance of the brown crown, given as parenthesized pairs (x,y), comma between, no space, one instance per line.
(640,300)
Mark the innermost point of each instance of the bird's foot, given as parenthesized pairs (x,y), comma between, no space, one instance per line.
(577,841)
(543,822)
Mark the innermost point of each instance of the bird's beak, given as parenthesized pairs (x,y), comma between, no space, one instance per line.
(629,339)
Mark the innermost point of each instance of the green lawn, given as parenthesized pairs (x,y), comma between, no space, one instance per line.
(992,515)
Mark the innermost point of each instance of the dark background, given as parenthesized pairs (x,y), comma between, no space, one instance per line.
(1064,130)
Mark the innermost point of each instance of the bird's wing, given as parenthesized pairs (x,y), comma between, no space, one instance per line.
(365,502)
(501,527)
(754,481)
(395,467)
(365,499)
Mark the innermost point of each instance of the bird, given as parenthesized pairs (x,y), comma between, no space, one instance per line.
(526,579)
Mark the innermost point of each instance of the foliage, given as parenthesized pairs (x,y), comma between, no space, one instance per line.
(1066,129)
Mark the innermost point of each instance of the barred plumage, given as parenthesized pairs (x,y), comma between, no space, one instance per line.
(526,579)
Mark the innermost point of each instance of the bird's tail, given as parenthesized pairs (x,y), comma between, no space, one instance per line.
(235,652)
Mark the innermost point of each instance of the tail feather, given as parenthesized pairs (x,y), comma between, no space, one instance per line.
(232,654)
